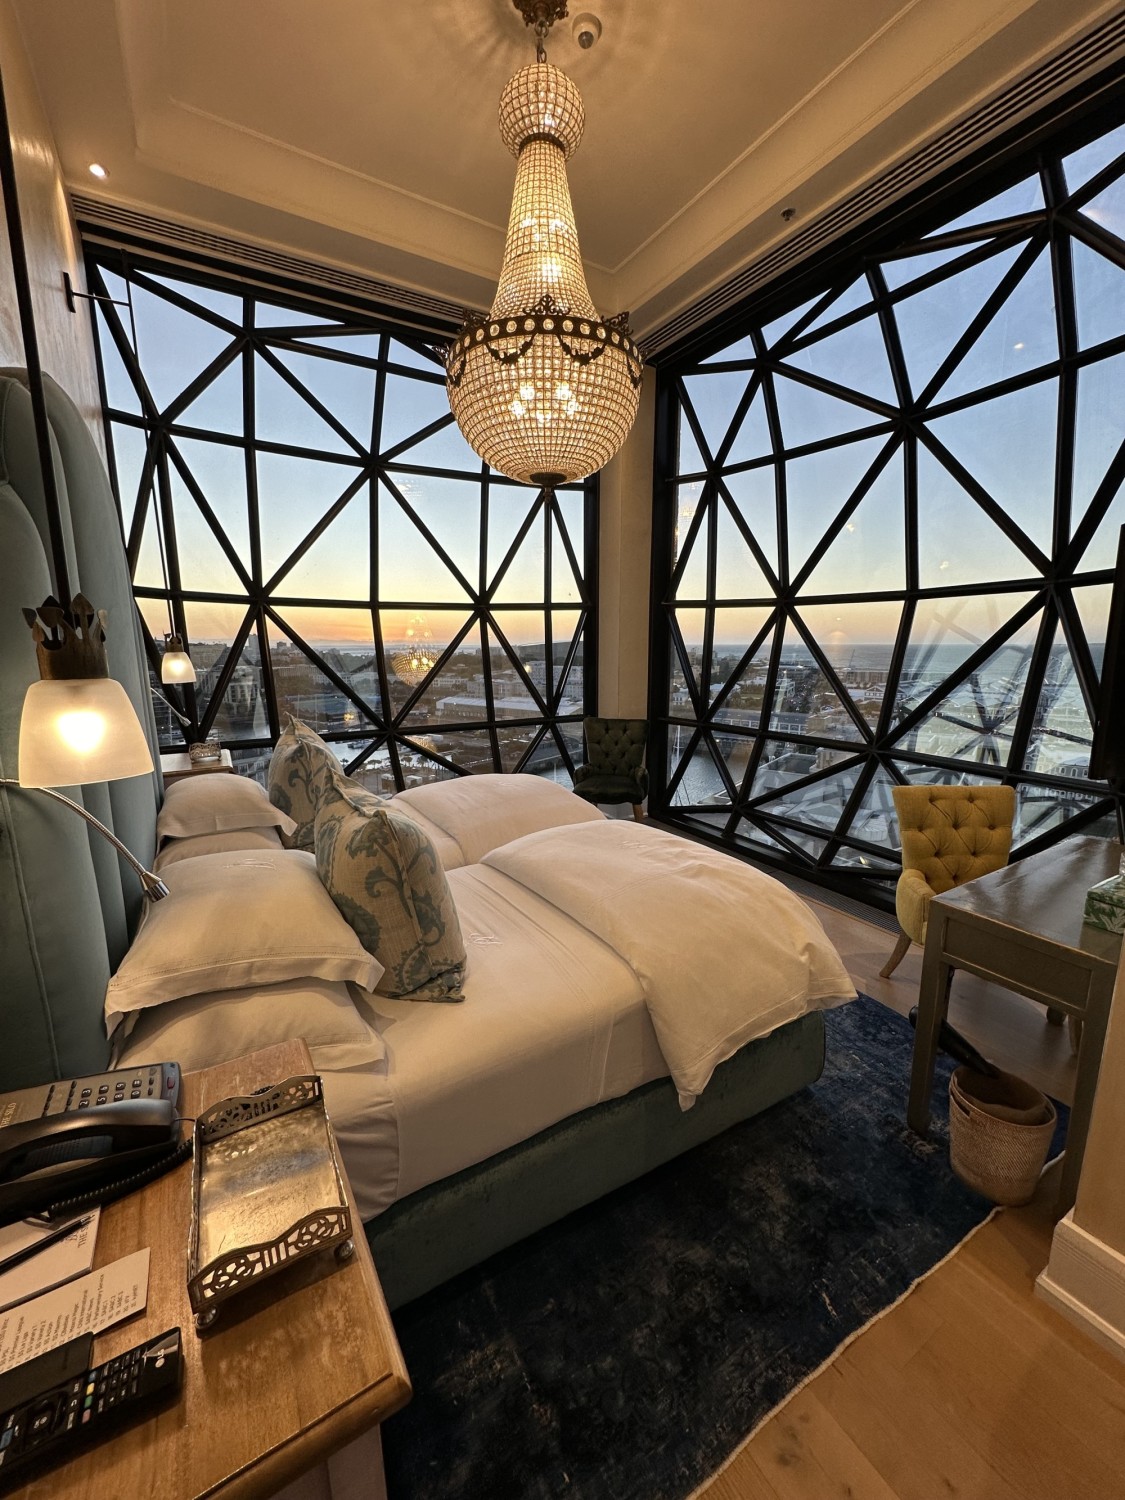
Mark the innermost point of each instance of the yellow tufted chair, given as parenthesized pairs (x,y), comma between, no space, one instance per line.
(950,834)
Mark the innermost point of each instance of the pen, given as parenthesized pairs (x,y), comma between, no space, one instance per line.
(10,1263)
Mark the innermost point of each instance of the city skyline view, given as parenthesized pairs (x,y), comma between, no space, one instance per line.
(894,515)
(885,520)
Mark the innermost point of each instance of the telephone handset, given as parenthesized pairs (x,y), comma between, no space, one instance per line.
(84,1136)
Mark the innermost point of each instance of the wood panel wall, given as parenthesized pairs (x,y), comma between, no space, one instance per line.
(66,347)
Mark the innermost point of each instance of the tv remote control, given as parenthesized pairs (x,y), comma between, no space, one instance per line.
(59,1421)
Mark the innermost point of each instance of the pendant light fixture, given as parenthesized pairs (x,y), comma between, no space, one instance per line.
(543,389)
(176,664)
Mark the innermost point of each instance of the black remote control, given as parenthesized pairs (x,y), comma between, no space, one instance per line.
(54,1424)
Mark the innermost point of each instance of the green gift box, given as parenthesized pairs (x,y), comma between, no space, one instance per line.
(1105,905)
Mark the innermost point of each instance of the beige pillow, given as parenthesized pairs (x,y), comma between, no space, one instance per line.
(216,843)
(385,876)
(231,920)
(217,803)
(479,813)
(207,1029)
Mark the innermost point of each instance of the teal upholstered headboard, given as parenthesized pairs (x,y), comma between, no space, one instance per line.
(68,905)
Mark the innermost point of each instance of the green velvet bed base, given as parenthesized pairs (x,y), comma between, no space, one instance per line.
(440,1230)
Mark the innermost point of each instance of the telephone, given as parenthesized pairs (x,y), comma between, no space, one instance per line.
(85,1137)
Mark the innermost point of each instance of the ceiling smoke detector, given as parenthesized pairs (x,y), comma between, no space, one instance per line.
(586,30)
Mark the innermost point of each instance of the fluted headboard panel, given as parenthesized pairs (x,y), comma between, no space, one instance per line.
(68,905)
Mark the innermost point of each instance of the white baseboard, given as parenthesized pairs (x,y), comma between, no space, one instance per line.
(1085,1281)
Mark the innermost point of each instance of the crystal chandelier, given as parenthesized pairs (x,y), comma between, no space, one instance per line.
(416,660)
(543,389)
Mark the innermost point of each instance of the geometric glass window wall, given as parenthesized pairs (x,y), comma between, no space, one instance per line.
(892,521)
(300,506)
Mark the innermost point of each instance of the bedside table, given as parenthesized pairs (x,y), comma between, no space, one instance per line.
(284,1394)
(175,764)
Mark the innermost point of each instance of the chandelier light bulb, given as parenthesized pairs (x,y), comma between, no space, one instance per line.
(543,389)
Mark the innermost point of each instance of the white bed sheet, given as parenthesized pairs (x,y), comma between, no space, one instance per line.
(553,1021)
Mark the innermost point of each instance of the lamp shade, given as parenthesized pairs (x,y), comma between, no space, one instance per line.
(81,729)
(176,664)
(543,389)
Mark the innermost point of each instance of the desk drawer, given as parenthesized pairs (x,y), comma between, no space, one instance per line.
(1017,964)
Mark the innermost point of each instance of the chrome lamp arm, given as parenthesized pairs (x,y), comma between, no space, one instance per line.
(154,888)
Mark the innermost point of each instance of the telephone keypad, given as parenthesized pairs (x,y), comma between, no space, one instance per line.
(126,1083)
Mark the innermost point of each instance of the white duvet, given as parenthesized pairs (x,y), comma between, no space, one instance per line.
(722,952)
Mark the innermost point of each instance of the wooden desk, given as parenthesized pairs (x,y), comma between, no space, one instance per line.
(293,1371)
(1022,928)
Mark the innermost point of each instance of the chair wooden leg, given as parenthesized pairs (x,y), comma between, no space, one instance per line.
(637,813)
(896,957)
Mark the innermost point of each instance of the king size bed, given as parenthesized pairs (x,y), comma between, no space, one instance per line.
(624,993)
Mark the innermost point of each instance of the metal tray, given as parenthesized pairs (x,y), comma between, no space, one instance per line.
(267,1190)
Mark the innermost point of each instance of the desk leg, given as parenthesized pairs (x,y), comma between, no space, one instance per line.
(933,1001)
(1094,1024)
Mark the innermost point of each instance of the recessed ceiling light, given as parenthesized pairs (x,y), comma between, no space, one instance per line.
(97,170)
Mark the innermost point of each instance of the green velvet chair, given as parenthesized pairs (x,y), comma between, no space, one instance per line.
(614,769)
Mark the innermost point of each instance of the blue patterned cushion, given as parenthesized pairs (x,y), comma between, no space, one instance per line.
(384,875)
(299,768)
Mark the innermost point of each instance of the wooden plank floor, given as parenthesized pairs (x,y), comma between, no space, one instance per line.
(971,1387)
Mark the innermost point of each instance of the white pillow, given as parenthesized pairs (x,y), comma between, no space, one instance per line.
(217,803)
(483,812)
(216,843)
(208,1029)
(231,920)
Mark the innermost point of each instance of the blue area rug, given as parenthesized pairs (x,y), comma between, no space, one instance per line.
(625,1352)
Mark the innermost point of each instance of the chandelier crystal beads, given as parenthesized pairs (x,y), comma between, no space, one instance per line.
(543,389)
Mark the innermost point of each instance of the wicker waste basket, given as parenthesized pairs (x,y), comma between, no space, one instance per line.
(999,1132)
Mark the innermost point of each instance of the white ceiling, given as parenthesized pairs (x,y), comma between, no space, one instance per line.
(363,132)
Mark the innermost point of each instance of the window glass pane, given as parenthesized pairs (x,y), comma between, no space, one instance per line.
(1099,295)
(120,391)
(754,494)
(1107,208)
(1082,165)
(715,398)
(702,782)
(220,472)
(282,415)
(931,321)
(348,391)
(1008,446)
(752,438)
(817,486)
(293,494)
(173,347)
(1021,336)
(337,565)
(224,304)
(855,356)
(219,406)
(1098,426)
(1024,197)
(958,541)
(1061,733)
(808,415)
(343,641)
(868,553)
(690,459)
